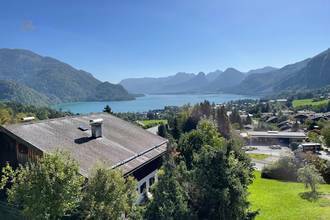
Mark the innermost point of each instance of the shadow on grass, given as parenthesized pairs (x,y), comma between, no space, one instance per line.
(310,196)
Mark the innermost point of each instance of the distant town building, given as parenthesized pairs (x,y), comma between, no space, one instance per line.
(272,137)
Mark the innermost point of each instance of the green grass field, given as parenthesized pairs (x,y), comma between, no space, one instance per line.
(258,156)
(306,102)
(151,123)
(283,200)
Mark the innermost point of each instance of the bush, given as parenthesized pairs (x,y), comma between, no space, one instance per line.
(283,169)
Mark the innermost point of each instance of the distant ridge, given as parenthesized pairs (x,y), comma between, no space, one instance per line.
(306,74)
(52,79)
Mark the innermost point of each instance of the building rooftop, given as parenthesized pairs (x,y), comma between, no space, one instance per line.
(122,144)
(275,134)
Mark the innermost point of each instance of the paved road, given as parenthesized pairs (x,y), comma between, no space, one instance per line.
(274,155)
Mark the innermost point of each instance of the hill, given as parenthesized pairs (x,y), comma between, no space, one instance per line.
(54,79)
(11,91)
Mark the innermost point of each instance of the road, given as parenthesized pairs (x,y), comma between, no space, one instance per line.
(274,155)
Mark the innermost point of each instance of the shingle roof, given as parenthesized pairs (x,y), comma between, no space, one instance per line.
(122,144)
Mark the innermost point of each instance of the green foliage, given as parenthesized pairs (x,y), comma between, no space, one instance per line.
(326,135)
(162,130)
(11,112)
(11,91)
(107,109)
(170,200)
(308,102)
(208,181)
(47,189)
(283,169)
(152,123)
(310,176)
(192,142)
(109,195)
(248,120)
(314,137)
(223,122)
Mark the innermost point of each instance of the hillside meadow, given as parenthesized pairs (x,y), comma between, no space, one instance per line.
(287,200)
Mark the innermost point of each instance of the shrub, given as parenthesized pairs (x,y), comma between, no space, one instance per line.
(283,169)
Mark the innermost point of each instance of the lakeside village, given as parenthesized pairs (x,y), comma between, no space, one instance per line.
(279,136)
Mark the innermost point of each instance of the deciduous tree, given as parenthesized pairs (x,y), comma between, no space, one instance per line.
(47,189)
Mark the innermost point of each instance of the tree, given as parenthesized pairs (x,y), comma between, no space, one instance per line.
(192,142)
(170,199)
(295,127)
(310,176)
(5,116)
(162,130)
(326,135)
(223,122)
(47,189)
(220,177)
(175,130)
(248,120)
(109,195)
(107,109)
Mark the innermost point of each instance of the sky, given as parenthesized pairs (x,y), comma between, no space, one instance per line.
(121,39)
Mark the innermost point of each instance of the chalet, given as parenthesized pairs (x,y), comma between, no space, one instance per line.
(272,137)
(89,139)
(310,147)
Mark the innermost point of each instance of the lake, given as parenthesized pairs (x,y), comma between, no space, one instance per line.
(148,102)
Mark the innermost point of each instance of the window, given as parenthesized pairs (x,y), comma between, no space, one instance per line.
(143,187)
(151,181)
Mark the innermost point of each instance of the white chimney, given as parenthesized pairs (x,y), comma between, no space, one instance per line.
(96,127)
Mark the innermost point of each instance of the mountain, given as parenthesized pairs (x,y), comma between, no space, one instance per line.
(306,74)
(264,83)
(310,73)
(229,78)
(148,85)
(12,91)
(54,79)
(195,84)
(265,69)
(315,74)
(213,75)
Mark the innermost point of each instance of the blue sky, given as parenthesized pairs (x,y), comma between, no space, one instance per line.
(133,38)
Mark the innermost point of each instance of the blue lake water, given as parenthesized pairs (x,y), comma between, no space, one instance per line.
(147,102)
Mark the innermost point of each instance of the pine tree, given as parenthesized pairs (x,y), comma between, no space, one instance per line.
(223,122)
(107,109)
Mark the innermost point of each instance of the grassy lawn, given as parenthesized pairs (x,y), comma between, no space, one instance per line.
(151,123)
(305,102)
(259,156)
(283,200)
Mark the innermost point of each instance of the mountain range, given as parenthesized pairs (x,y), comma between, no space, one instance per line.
(33,79)
(310,73)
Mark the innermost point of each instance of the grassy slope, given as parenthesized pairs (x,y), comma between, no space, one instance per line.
(259,156)
(281,200)
(151,123)
(305,102)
